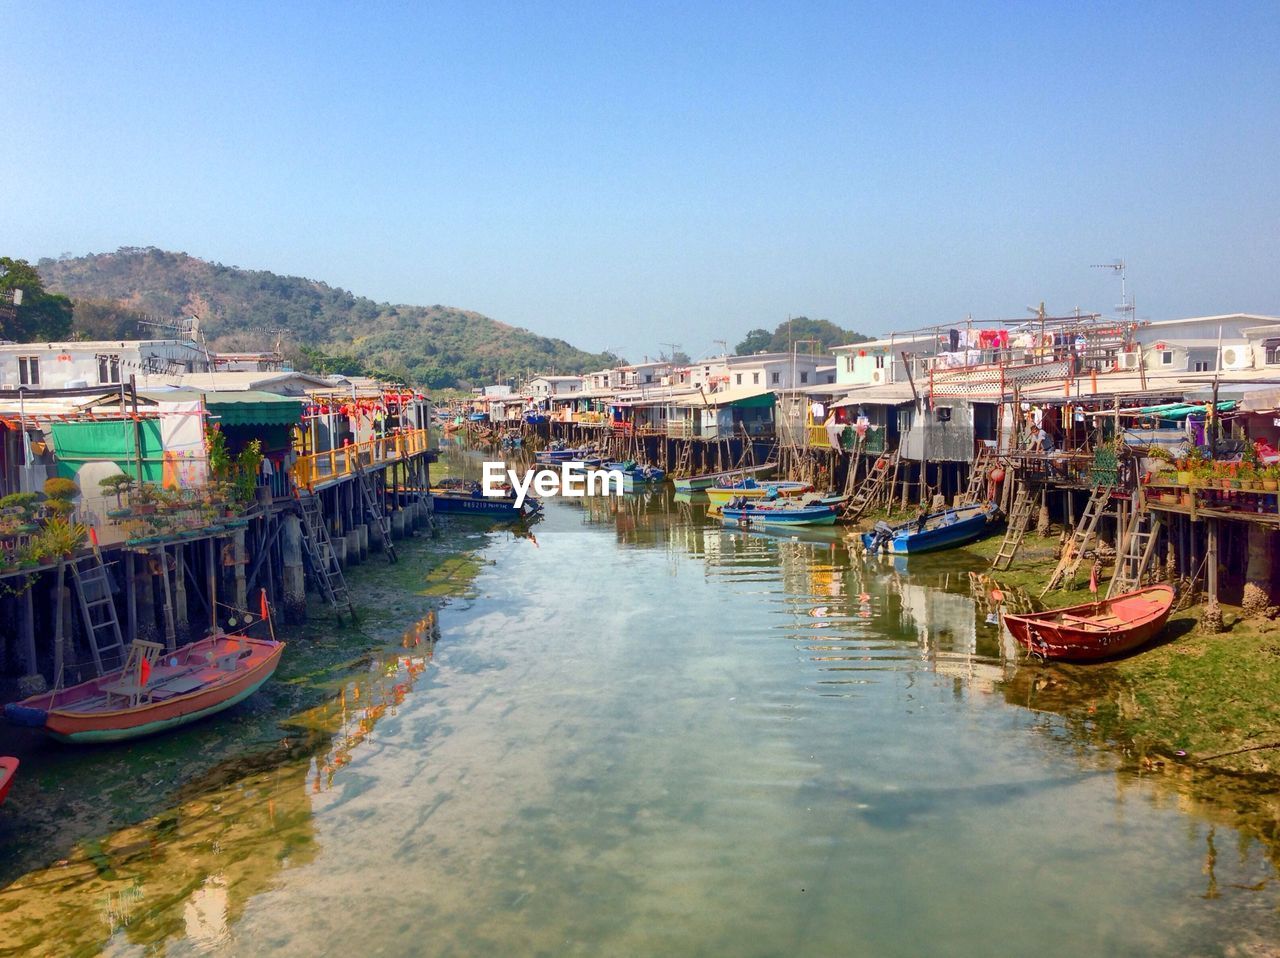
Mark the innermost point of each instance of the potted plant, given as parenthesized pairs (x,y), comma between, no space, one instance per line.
(117,485)
(1270,478)
(58,495)
(59,538)
(144,500)
(24,506)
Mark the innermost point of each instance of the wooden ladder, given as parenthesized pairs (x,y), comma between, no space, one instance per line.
(870,490)
(1074,552)
(1019,520)
(682,466)
(977,491)
(1134,556)
(851,483)
(98,612)
(378,520)
(319,551)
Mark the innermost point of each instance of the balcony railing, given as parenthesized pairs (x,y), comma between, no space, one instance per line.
(333,464)
(679,429)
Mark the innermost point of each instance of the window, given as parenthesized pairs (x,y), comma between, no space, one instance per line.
(879,362)
(755,378)
(848,364)
(737,378)
(1202,366)
(1166,358)
(831,377)
(29,370)
(943,413)
(774,379)
(1272,347)
(804,377)
(108,369)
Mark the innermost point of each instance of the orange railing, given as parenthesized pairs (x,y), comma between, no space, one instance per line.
(321,467)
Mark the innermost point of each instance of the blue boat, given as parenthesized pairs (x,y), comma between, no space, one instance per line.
(468,499)
(560,453)
(931,532)
(635,476)
(748,513)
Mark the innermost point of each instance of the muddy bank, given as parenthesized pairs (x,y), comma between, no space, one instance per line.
(67,797)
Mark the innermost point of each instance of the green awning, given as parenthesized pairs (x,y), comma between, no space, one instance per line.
(1175,412)
(762,401)
(252,408)
(249,407)
(76,443)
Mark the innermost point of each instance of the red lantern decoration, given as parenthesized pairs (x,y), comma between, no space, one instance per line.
(996,474)
(862,352)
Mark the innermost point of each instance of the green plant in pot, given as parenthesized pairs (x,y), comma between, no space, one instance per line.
(144,500)
(117,486)
(26,505)
(59,538)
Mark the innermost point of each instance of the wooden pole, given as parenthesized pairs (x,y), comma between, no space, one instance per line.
(1211,560)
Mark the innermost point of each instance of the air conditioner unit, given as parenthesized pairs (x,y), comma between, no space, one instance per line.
(1237,357)
(877,375)
(1128,360)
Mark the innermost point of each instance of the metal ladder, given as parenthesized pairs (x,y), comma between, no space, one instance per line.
(380,522)
(98,612)
(1074,551)
(870,490)
(319,549)
(1135,554)
(1019,520)
(977,491)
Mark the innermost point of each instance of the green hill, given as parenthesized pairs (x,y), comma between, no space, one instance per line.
(322,327)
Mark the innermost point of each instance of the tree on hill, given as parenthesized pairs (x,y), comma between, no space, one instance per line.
(757,341)
(99,320)
(42,315)
(438,346)
(794,330)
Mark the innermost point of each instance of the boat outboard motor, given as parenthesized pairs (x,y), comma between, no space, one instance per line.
(881,535)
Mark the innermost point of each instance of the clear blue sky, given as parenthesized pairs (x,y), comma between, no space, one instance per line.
(622,175)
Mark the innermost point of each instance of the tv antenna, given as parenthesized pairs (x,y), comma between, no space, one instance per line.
(671,356)
(1127,307)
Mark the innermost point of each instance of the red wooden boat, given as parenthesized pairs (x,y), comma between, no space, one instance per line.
(8,768)
(154,691)
(1094,630)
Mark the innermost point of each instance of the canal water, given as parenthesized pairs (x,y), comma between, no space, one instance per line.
(635,732)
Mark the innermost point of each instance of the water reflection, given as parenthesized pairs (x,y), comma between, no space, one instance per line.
(654,734)
(188,873)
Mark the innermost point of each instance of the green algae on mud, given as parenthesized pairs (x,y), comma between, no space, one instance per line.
(73,796)
(1190,692)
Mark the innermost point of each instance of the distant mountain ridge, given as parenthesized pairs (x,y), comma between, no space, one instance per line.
(322,326)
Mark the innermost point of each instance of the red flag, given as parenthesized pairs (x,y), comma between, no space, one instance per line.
(144,671)
(263,604)
(1093,579)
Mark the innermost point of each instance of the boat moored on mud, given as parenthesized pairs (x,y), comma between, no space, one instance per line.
(929,533)
(8,769)
(154,691)
(1094,630)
